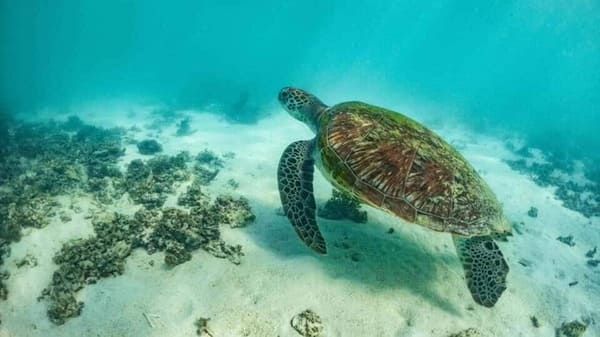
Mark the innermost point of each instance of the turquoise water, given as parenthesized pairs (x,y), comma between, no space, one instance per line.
(526,66)
(513,85)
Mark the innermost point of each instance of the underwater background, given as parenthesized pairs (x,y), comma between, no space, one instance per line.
(122,122)
(531,67)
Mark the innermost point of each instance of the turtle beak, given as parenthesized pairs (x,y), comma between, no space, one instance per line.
(284,95)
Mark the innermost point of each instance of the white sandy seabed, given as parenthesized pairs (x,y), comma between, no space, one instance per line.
(408,283)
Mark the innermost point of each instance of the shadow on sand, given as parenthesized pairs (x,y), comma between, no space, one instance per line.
(364,253)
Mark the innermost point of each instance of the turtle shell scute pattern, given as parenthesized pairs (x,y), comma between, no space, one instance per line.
(394,163)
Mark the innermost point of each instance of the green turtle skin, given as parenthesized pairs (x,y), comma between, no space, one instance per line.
(395,164)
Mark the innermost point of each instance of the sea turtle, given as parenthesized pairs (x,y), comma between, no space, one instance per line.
(393,163)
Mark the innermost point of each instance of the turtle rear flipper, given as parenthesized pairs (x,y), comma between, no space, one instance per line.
(484,266)
(295,178)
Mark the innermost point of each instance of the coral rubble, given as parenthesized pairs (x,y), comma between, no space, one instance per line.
(567,240)
(470,332)
(149,183)
(4,252)
(177,232)
(207,166)
(307,323)
(44,160)
(149,147)
(580,196)
(85,261)
(41,161)
(571,329)
(532,212)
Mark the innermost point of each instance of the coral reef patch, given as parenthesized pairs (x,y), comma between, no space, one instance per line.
(42,161)
(581,195)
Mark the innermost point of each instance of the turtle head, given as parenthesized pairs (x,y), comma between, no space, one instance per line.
(302,105)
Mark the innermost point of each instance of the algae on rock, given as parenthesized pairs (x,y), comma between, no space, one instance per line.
(343,206)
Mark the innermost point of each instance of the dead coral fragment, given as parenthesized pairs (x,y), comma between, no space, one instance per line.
(233,212)
(149,183)
(567,240)
(176,231)
(207,166)
(233,184)
(571,329)
(219,248)
(54,176)
(149,147)
(28,260)
(63,306)
(593,263)
(470,332)
(175,254)
(202,325)
(209,158)
(343,206)
(177,226)
(184,128)
(532,212)
(4,275)
(4,252)
(194,196)
(25,212)
(32,213)
(307,323)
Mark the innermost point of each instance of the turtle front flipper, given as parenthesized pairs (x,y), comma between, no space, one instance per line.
(295,177)
(484,266)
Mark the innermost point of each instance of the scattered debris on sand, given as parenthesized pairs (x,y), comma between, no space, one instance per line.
(470,332)
(567,240)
